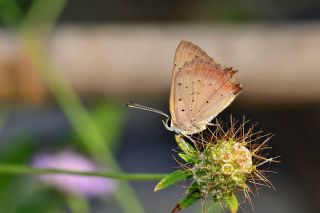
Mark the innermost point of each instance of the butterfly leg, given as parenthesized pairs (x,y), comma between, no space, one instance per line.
(211,124)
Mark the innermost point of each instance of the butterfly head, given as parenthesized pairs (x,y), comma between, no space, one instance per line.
(169,125)
(189,130)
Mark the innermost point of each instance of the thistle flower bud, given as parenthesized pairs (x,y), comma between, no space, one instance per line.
(220,164)
(221,168)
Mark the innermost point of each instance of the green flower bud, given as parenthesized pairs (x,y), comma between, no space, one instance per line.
(221,168)
(224,164)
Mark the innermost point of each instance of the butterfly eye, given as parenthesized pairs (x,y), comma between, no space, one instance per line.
(182,110)
(179,84)
(207,102)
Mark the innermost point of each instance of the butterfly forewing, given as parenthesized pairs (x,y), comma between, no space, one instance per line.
(186,52)
(201,91)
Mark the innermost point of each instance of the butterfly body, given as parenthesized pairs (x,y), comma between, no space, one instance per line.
(200,90)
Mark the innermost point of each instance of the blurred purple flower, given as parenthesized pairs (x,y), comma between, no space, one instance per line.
(76,184)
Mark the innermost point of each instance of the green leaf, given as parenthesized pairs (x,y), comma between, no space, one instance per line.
(186,147)
(172,178)
(193,187)
(191,198)
(186,158)
(232,203)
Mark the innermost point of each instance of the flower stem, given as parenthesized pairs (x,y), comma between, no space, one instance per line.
(78,204)
(7,169)
(80,119)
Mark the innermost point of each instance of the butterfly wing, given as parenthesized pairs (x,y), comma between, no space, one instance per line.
(186,52)
(201,91)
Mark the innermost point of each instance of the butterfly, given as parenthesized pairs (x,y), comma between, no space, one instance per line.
(200,90)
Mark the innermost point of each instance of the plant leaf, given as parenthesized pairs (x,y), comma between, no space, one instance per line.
(186,158)
(232,203)
(193,187)
(191,198)
(186,147)
(172,178)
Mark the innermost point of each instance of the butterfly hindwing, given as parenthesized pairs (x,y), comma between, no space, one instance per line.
(186,52)
(201,91)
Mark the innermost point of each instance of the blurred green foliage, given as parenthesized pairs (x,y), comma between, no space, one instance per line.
(95,11)
(109,117)
(12,12)
(27,194)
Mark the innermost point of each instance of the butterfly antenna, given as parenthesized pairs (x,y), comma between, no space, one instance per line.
(138,106)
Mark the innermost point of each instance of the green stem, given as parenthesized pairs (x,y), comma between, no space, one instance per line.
(78,204)
(9,169)
(44,14)
(78,116)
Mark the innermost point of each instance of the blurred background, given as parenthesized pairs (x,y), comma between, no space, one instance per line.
(67,67)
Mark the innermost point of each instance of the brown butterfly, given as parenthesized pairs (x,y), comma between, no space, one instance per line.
(200,90)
